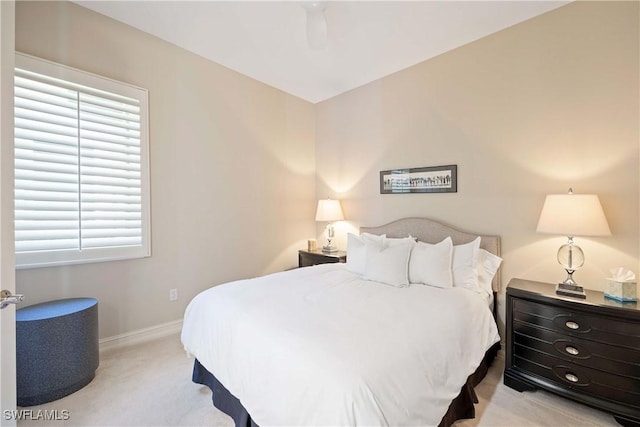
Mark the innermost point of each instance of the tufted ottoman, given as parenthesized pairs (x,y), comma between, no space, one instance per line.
(56,349)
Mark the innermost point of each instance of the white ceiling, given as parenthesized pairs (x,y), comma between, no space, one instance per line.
(367,40)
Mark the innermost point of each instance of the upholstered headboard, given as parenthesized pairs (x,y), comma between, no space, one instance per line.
(430,231)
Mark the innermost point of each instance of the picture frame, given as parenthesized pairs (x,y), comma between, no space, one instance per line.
(431,179)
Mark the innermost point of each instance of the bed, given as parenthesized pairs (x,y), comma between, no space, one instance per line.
(327,345)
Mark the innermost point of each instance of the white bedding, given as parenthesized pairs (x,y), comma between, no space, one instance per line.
(320,346)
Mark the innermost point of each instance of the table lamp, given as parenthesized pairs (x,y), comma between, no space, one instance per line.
(572,215)
(329,211)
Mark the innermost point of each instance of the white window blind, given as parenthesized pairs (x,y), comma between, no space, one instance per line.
(81,166)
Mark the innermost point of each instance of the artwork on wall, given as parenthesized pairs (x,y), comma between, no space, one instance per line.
(432,179)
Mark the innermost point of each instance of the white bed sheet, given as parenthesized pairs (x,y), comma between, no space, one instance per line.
(320,346)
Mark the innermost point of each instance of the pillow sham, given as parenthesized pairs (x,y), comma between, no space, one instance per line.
(430,264)
(464,264)
(488,265)
(388,264)
(357,251)
(399,240)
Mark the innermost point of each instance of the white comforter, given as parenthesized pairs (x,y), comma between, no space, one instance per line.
(320,346)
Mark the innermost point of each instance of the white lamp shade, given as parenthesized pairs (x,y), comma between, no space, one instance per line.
(329,210)
(573,215)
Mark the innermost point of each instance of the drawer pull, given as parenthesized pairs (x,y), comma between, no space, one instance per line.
(571,377)
(572,350)
(572,325)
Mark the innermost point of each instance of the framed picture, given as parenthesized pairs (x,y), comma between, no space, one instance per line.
(433,179)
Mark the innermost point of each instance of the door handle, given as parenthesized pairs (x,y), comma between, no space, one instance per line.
(6,298)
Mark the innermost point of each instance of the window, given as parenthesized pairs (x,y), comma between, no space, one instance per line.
(81,166)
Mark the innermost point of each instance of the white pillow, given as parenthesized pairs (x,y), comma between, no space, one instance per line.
(488,265)
(399,240)
(430,264)
(388,264)
(464,264)
(356,251)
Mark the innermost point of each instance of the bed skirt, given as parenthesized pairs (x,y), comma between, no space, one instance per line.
(462,407)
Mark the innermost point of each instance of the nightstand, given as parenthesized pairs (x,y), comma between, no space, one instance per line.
(587,350)
(307,258)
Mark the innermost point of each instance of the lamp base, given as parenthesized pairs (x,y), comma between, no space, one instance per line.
(329,249)
(570,290)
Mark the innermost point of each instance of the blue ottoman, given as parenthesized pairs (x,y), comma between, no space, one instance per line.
(56,349)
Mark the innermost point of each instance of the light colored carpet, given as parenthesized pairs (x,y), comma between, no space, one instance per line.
(150,385)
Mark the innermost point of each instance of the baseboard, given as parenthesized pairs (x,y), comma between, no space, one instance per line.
(140,335)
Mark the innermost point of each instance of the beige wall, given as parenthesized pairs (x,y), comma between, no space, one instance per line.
(232,170)
(528,111)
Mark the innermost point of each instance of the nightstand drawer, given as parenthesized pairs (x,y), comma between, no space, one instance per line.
(309,258)
(577,324)
(585,380)
(617,360)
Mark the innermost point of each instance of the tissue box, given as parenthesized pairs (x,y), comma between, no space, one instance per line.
(621,290)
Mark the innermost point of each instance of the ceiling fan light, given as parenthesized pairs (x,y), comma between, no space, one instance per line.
(316,26)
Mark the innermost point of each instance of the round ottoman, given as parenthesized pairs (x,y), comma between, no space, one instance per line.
(56,349)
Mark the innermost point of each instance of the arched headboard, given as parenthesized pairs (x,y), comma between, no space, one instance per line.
(430,231)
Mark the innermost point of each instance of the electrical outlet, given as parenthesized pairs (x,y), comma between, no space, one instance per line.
(173,294)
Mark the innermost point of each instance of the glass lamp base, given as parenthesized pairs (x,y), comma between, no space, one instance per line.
(329,249)
(571,257)
(570,290)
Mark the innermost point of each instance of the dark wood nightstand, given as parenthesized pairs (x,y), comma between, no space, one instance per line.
(587,350)
(307,258)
